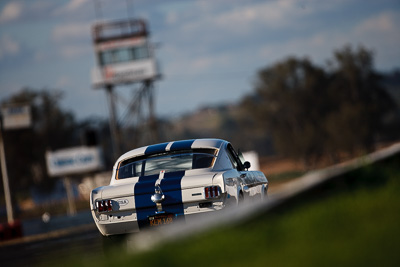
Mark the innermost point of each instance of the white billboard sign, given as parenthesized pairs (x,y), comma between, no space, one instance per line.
(127,72)
(16,116)
(74,160)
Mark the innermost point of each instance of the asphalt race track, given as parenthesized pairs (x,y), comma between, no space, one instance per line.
(49,250)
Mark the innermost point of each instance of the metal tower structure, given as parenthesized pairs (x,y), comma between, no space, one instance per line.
(125,56)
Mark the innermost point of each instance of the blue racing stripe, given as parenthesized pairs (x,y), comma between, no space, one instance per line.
(171,188)
(154,149)
(172,183)
(182,145)
(143,190)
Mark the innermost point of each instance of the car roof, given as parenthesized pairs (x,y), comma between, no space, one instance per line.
(174,146)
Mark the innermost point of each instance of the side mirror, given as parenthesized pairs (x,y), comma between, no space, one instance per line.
(246,165)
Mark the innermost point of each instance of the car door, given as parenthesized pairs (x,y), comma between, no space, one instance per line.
(252,187)
(244,180)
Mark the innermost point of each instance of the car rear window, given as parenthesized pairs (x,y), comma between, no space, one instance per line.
(169,162)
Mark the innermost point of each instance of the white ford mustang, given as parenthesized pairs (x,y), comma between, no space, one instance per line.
(158,184)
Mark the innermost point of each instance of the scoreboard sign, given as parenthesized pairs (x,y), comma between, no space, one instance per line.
(16,116)
(123,53)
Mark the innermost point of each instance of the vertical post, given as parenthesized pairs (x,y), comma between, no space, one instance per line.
(70,197)
(152,119)
(113,123)
(7,193)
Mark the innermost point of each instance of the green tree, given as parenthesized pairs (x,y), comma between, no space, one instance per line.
(310,111)
(290,106)
(357,99)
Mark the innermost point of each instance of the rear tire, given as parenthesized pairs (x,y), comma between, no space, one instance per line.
(264,194)
(240,198)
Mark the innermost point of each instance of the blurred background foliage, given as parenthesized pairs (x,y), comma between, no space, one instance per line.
(297,109)
(312,112)
(53,128)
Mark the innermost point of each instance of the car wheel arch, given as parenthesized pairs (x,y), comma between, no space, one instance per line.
(264,192)
(240,197)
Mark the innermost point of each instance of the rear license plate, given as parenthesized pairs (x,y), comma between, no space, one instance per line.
(161,219)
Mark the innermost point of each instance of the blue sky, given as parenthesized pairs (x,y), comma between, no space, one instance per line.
(209,50)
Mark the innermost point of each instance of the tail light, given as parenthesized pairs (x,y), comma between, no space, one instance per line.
(212,192)
(104,205)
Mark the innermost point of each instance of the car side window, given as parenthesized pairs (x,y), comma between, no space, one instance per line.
(130,170)
(234,158)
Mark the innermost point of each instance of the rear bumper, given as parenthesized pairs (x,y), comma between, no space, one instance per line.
(114,225)
(126,222)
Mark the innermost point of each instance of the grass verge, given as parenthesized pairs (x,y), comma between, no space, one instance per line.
(357,225)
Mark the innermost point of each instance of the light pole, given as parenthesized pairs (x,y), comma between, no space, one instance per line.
(4,173)
(12,116)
